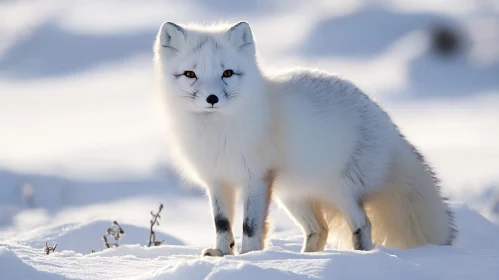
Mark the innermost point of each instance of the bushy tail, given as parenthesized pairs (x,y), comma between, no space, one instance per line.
(407,212)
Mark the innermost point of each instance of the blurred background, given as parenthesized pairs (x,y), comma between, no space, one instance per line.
(78,123)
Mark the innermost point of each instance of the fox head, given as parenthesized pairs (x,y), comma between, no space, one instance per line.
(209,70)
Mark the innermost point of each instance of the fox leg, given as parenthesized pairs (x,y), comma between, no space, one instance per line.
(256,204)
(222,200)
(308,214)
(357,220)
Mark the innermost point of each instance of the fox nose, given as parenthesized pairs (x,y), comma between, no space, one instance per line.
(212,99)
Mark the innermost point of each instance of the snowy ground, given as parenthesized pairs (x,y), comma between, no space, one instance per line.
(78,123)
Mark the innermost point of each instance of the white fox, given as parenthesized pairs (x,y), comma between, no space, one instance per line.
(322,148)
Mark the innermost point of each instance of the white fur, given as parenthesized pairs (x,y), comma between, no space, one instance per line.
(338,162)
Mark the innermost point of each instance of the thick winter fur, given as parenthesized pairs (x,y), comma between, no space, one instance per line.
(328,153)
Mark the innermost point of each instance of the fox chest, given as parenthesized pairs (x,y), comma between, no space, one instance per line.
(223,158)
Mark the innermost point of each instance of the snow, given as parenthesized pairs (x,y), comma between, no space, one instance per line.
(14,268)
(474,255)
(81,140)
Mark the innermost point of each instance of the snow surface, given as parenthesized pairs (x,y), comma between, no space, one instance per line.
(81,141)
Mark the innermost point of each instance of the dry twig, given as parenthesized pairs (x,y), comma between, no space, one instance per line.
(116,232)
(48,249)
(154,221)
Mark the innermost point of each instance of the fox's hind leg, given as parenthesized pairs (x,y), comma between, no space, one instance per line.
(222,200)
(308,214)
(357,220)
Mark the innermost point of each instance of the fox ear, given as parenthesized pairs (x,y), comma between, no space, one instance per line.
(240,36)
(172,36)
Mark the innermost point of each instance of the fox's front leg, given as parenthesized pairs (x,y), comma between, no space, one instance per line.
(256,205)
(222,204)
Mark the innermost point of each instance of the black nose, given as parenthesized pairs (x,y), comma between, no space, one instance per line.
(212,99)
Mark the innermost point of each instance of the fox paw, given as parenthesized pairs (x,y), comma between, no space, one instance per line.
(214,253)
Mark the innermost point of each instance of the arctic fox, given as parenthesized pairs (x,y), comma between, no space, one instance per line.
(314,142)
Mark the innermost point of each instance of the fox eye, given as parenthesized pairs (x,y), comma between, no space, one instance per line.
(227,73)
(190,74)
